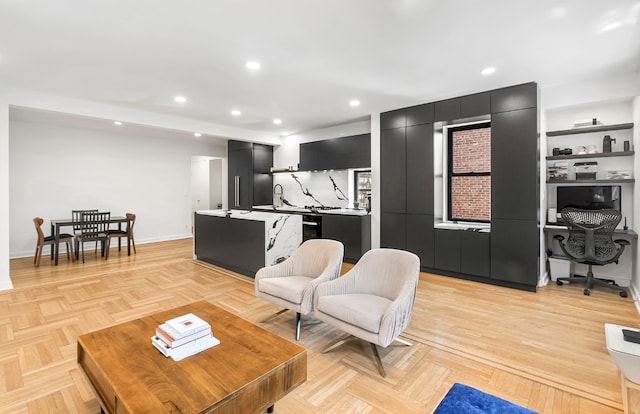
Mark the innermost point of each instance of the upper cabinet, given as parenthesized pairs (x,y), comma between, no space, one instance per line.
(514,97)
(337,153)
(249,181)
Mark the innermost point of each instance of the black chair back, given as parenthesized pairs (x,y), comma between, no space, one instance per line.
(591,235)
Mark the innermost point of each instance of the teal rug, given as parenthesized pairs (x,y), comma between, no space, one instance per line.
(468,400)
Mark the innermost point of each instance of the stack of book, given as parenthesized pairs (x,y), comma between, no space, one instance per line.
(183,336)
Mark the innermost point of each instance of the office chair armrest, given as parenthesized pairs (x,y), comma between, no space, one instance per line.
(622,242)
(558,237)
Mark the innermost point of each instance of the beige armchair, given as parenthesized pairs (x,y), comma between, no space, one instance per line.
(291,283)
(373,301)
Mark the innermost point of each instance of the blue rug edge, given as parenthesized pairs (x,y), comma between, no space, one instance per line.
(463,398)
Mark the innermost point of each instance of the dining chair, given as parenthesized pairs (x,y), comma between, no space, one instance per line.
(76,215)
(94,227)
(50,240)
(119,233)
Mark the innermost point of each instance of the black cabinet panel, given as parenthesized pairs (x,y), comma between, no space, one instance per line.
(447,249)
(475,105)
(420,114)
(240,178)
(393,230)
(234,244)
(393,119)
(420,169)
(337,153)
(262,189)
(262,158)
(238,145)
(515,249)
(420,238)
(348,230)
(514,98)
(475,253)
(447,110)
(514,169)
(393,174)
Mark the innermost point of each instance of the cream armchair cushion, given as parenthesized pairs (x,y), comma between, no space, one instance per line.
(374,300)
(291,284)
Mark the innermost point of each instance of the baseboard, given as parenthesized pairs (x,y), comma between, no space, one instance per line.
(6,286)
(114,243)
(636,297)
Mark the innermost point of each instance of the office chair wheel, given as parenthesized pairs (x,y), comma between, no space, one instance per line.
(586,292)
(623,294)
(559,282)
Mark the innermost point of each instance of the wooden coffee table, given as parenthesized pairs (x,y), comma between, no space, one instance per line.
(247,372)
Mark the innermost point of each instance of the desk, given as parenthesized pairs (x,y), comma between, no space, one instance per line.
(248,372)
(621,272)
(57,224)
(627,357)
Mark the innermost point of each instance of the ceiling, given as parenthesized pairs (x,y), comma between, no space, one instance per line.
(315,56)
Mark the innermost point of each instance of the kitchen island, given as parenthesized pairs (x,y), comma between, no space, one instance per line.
(245,241)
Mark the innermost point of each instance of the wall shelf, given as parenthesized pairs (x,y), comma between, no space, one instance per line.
(586,130)
(618,181)
(597,155)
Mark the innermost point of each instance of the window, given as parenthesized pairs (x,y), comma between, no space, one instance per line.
(469,172)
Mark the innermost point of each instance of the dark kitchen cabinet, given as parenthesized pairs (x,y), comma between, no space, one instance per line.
(514,97)
(240,178)
(475,253)
(393,119)
(420,238)
(447,110)
(419,114)
(336,154)
(249,181)
(419,172)
(447,249)
(515,248)
(393,230)
(393,172)
(234,244)
(475,105)
(514,165)
(353,231)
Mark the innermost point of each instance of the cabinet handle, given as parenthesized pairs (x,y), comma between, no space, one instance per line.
(237,190)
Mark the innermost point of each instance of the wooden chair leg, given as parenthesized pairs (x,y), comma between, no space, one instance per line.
(35,255)
(36,259)
(133,244)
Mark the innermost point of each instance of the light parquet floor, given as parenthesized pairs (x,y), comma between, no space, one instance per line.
(543,350)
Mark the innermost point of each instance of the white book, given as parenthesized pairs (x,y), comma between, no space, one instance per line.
(186,350)
(167,334)
(186,325)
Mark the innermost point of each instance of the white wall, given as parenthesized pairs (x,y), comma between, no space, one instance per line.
(5,281)
(56,168)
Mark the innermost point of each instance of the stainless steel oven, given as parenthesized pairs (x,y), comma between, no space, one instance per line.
(311,226)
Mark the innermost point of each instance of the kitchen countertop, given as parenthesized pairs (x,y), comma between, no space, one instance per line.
(291,209)
(246,215)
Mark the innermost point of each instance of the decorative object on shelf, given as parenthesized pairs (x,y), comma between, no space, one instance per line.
(586,170)
(556,151)
(558,171)
(626,146)
(581,149)
(581,123)
(619,175)
(592,149)
(606,143)
(566,151)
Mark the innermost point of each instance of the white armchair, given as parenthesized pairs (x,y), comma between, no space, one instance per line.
(373,301)
(291,283)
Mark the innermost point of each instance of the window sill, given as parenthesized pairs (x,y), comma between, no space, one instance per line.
(480,227)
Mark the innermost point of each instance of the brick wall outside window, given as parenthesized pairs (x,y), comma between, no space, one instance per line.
(471,195)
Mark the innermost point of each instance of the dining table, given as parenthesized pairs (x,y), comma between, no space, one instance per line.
(57,224)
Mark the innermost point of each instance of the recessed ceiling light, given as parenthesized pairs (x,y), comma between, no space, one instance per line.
(488,71)
(277,121)
(253,65)
(180,99)
(117,122)
(236,112)
(197,134)
(354,103)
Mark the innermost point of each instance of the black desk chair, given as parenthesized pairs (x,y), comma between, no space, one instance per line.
(590,242)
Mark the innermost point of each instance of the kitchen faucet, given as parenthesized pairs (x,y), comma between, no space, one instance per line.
(277,194)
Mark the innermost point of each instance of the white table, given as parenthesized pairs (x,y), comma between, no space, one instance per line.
(627,358)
